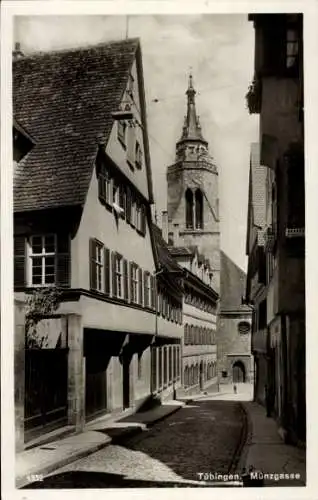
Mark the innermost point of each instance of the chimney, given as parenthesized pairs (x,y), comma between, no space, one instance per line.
(164,222)
(17,53)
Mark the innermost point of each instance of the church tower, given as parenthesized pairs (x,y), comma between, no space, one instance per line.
(193,205)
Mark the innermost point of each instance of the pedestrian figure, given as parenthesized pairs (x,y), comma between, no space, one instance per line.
(235,389)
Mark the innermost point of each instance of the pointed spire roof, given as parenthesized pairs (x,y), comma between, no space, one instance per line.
(191,129)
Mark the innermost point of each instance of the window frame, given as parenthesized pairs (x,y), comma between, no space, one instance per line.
(134,283)
(119,276)
(43,256)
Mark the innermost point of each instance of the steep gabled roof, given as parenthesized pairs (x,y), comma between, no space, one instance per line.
(64,100)
(232,286)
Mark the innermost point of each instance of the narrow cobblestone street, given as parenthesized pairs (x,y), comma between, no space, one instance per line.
(202,437)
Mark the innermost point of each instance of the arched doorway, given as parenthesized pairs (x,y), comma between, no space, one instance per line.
(238,372)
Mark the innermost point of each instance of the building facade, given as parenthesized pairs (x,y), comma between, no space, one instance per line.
(277,95)
(256,282)
(200,309)
(82,190)
(235,361)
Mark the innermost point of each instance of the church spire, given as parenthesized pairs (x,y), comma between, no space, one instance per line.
(191,128)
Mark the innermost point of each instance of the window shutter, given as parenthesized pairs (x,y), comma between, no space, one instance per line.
(143,220)
(19,261)
(133,210)
(107,271)
(114,283)
(140,286)
(128,204)
(92,253)
(146,298)
(153,292)
(63,260)
(131,140)
(131,268)
(125,272)
(122,199)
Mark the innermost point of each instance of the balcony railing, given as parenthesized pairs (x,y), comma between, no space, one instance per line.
(295,232)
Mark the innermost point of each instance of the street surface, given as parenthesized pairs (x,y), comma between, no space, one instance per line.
(202,437)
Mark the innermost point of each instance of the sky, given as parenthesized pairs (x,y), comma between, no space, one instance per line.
(219,51)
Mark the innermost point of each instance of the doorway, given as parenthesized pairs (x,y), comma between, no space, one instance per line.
(238,372)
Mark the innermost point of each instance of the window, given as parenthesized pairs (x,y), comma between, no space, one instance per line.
(138,215)
(42,260)
(43,250)
(292,48)
(138,155)
(122,199)
(170,239)
(108,188)
(117,266)
(134,283)
(244,327)
(147,289)
(97,263)
(198,209)
(189,209)
(133,211)
(121,132)
(115,192)
(104,186)
(131,145)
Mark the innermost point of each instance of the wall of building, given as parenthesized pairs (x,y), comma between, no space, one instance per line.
(231,343)
(116,151)
(114,232)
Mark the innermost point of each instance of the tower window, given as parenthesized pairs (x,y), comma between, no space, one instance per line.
(189,208)
(198,209)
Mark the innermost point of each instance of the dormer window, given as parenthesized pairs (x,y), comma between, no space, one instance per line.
(121,132)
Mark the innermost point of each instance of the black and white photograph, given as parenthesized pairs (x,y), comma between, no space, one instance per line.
(155,182)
